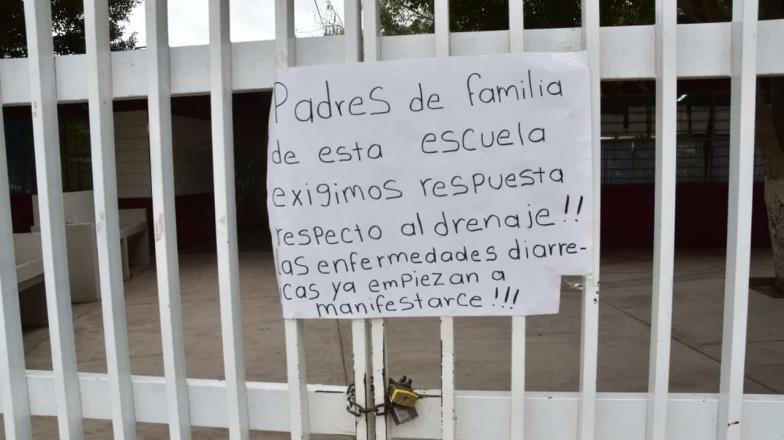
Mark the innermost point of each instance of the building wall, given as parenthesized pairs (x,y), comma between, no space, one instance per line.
(194,200)
(132,154)
(628,167)
(700,216)
(191,151)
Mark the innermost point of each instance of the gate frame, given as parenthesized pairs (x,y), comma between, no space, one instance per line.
(615,53)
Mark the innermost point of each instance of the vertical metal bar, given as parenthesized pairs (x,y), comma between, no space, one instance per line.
(371,38)
(372,52)
(379,363)
(442,36)
(285,42)
(441,27)
(589,332)
(352,30)
(664,222)
(448,378)
(226,219)
(359,327)
(107,221)
(43,100)
(165,226)
(299,414)
(741,179)
(13,381)
(517,413)
(360,348)
(516,26)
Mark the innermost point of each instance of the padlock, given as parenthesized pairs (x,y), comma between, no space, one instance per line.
(401,393)
(402,401)
(402,414)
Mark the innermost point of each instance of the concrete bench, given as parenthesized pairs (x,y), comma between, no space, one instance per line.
(29,263)
(82,261)
(30,278)
(134,239)
(79,213)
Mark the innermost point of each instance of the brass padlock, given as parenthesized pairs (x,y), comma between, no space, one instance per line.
(403,396)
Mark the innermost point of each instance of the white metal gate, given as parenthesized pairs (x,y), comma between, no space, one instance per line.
(741,50)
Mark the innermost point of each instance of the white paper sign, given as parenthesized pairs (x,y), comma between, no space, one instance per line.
(430,187)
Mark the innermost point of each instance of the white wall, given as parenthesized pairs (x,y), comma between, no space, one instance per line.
(133,154)
(192,155)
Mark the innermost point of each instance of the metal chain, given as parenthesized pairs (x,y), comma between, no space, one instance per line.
(358,410)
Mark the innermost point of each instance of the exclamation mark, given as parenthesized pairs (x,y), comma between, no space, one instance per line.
(579,207)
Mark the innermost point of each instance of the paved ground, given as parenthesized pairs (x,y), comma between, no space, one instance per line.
(482,343)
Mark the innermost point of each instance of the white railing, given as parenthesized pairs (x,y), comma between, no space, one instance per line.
(741,50)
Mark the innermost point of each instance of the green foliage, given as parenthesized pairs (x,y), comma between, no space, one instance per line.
(67,26)
(401,17)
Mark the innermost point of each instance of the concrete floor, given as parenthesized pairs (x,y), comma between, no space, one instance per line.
(482,344)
